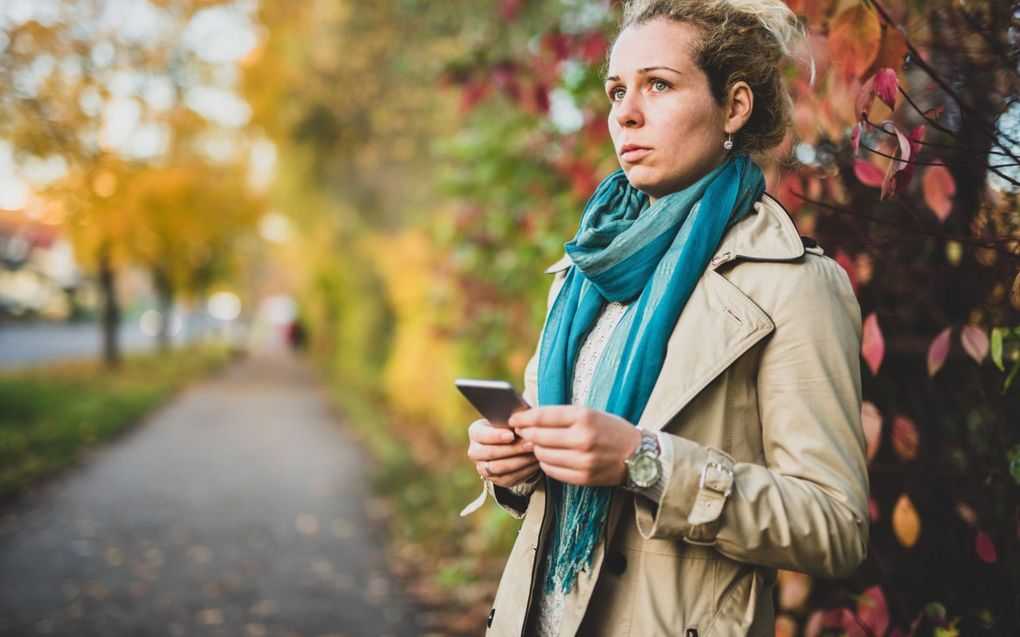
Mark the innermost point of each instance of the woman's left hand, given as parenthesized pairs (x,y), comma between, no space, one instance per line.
(578,445)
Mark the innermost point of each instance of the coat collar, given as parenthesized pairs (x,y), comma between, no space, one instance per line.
(767,234)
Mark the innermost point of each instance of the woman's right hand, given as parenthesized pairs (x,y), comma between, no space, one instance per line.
(499,455)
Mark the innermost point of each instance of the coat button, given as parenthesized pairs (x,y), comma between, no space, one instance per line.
(492,613)
(616,563)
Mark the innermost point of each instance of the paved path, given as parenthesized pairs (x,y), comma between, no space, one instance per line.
(239,509)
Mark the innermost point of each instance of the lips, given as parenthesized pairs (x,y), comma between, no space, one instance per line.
(631,153)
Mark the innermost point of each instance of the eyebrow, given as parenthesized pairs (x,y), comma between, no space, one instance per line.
(645,71)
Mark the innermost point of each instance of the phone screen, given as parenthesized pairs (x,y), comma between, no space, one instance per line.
(497,400)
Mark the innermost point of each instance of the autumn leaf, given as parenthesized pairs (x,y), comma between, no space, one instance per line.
(893,49)
(865,96)
(939,188)
(873,511)
(873,610)
(855,138)
(985,548)
(975,342)
(873,343)
(905,521)
(855,37)
(871,421)
(966,513)
(938,350)
(886,86)
(904,437)
(868,174)
(785,626)
(794,589)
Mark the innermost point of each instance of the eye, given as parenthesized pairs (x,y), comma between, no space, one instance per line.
(616,94)
(659,85)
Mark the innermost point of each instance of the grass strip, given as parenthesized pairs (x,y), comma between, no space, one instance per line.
(50,416)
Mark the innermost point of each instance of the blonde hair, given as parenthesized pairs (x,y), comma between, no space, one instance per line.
(740,40)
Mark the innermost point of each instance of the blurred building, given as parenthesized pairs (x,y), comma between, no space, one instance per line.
(38,273)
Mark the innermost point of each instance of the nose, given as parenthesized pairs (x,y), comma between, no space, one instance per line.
(628,111)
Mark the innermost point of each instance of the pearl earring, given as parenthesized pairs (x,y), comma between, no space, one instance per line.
(728,144)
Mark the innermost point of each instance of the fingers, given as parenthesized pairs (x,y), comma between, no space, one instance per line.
(506,466)
(516,477)
(481,453)
(482,431)
(551,416)
(560,437)
(565,474)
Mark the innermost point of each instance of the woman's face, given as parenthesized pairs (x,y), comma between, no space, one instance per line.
(666,126)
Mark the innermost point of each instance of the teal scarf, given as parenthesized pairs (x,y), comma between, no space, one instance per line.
(652,257)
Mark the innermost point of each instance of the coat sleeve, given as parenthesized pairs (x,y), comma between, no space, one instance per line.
(806,508)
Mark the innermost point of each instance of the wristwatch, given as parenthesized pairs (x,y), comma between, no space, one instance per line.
(643,466)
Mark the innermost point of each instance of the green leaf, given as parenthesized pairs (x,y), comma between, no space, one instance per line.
(1012,375)
(997,347)
(1013,455)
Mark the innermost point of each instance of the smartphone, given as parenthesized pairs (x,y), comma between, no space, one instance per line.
(497,400)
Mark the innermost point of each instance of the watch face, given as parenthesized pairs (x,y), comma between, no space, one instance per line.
(644,470)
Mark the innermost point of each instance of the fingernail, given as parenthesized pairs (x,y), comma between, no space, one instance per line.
(528,445)
(507,436)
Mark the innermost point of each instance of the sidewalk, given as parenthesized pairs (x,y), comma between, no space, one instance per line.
(239,509)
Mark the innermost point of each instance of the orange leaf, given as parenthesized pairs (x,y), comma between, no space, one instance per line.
(873,343)
(855,37)
(794,589)
(904,437)
(939,188)
(785,626)
(893,49)
(938,350)
(871,421)
(985,548)
(906,523)
(975,342)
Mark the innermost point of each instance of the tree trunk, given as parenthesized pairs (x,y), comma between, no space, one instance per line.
(164,303)
(110,318)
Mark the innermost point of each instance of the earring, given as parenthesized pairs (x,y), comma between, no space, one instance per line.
(728,144)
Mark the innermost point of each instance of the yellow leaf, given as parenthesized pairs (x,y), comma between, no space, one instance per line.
(906,523)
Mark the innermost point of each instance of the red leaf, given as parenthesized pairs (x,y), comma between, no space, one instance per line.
(855,37)
(855,137)
(845,262)
(873,343)
(886,86)
(868,174)
(814,624)
(985,548)
(873,610)
(939,188)
(593,47)
(938,350)
(509,10)
(904,437)
(906,149)
(865,96)
(873,512)
(871,422)
(975,342)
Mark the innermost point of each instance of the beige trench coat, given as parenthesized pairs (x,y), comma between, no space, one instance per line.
(762,377)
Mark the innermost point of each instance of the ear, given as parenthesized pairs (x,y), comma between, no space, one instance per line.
(739,103)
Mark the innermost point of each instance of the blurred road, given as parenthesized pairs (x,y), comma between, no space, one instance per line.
(29,344)
(240,509)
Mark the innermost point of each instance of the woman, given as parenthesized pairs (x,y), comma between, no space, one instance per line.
(698,372)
